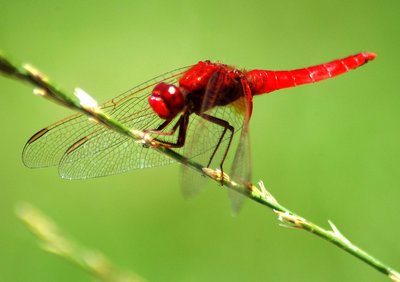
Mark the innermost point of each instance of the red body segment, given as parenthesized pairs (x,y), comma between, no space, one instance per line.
(197,77)
(265,81)
(207,85)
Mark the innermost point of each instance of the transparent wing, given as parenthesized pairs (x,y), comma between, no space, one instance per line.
(84,149)
(203,137)
(241,165)
(213,138)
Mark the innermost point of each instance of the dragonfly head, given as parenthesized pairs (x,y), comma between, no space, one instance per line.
(166,100)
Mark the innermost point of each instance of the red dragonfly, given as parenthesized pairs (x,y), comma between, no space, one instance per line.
(194,110)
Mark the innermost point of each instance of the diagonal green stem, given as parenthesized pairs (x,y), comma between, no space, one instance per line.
(258,194)
(54,241)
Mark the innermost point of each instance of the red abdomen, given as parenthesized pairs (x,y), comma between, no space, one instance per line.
(265,81)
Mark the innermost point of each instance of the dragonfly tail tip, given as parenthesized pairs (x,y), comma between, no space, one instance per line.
(370,56)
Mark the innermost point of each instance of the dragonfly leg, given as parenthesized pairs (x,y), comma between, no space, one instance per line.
(226,126)
(159,130)
(182,124)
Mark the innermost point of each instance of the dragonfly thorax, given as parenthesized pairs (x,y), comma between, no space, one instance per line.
(166,100)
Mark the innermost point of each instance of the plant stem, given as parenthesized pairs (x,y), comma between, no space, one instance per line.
(56,242)
(258,194)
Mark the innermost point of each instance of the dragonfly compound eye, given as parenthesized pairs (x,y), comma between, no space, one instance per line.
(166,100)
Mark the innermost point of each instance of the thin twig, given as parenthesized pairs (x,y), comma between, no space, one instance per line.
(52,240)
(258,194)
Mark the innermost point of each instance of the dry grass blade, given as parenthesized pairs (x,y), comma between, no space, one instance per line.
(52,240)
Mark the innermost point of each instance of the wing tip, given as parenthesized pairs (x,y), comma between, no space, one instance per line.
(37,135)
(76,145)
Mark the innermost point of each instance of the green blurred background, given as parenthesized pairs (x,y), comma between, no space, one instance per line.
(327,151)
